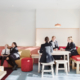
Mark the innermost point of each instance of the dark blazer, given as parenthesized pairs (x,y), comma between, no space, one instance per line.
(46,50)
(72,48)
(55,43)
(13,50)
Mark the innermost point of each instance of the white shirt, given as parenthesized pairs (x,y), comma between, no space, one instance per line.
(7,51)
(54,43)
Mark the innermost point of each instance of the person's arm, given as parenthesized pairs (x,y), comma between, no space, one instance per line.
(13,50)
(51,49)
(16,50)
(56,45)
(72,46)
(67,47)
(41,49)
(2,53)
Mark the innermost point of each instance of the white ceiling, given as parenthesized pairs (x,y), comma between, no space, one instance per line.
(39,4)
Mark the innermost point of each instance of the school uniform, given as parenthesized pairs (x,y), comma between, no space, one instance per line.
(5,53)
(55,46)
(72,48)
(46,50)
(14,55)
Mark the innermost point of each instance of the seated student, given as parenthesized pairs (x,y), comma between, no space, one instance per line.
(55,47)
(70,47)
(14,55)
(46,50)
(54,43)
(4,54)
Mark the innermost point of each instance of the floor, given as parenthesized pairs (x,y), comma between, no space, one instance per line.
(34,75)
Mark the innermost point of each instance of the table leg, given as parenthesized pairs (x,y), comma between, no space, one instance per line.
(38,65)
(68,63)
(64,57)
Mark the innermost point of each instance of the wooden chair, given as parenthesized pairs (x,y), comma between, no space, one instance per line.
(47,64)
(65,62)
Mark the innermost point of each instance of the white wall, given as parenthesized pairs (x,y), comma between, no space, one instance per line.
(47,18)
(18,26)
(61,35)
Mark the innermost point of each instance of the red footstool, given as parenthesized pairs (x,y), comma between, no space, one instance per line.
(27,64)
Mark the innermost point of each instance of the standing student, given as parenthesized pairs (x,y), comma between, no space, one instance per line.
(54,43)
(70,47)
(14,55)
(46,50)
(4,54)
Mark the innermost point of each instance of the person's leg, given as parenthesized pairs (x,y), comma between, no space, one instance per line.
(10,62)
(13,58)
(2,61)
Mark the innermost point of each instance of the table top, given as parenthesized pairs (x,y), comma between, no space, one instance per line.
(54,53)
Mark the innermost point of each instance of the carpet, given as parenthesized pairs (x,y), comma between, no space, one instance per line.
(9,70)
(34,75)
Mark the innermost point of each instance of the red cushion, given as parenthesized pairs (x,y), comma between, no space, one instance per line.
(27,64)
(77,57)
(62,47)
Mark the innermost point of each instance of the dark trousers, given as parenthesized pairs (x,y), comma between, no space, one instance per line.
(2,58)
(12,59)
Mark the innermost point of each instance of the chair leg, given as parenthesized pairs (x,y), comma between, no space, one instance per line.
(42,70)
(57,65)
(38,67)
(52,70)
(72,64)
(66,68)
(77,68)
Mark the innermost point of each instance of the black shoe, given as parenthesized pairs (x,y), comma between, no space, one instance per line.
(15,67)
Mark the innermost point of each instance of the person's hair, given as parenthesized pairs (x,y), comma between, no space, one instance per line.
(46,39)
(7,46)
(53,37)
(70,38)
(15,44)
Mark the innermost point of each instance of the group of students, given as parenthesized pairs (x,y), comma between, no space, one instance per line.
(49,46)
(10,54)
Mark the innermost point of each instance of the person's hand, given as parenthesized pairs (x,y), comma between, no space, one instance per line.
(54,49)
(7,58)
(2,55)
(61,49)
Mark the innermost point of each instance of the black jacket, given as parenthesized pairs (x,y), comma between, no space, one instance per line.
(46,50)
(56,44)
(72,48)
(13,50)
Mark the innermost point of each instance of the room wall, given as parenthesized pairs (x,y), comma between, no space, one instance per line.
(47,18)
(60,33)
(68,18)
(18,26)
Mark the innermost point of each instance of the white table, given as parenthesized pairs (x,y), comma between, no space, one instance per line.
(2,74)
(54,53)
